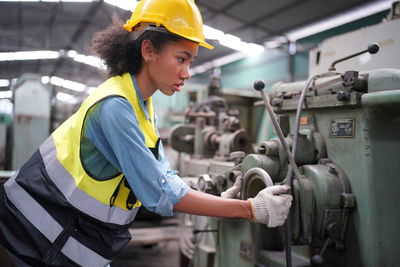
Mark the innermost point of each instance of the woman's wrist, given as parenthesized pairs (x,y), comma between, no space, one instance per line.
(252,217)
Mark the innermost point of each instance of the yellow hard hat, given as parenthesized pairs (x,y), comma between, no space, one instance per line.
(181,17)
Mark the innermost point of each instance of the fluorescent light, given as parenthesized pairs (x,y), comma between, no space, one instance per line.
(232,41)
(42,55)
(80,87)
(89,60)
(57,81)
(253,49)
(45,79)
(4,83)
(64,97)
(85,1)
(28,55)
(212,33)
(5,94)
(127,5)
(217,63)
(337,20)
(66,1)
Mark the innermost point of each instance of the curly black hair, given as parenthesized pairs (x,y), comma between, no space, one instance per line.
(121,52)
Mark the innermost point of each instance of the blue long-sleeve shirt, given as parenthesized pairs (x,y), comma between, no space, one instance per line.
(113,143)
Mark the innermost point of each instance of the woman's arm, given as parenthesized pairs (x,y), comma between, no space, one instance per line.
(199,203)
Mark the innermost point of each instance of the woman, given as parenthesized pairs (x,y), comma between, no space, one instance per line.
(72,203)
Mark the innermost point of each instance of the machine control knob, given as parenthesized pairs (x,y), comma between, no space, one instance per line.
(373,48)
(317,260)
(334,231)
(259,85)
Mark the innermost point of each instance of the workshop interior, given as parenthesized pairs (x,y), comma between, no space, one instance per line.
(298,92)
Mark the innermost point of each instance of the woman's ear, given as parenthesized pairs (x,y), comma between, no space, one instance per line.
(147,51)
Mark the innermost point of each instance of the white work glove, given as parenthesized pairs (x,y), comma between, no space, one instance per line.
(271,205)
(234,190)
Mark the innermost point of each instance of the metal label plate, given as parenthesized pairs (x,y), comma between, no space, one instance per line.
(342,128)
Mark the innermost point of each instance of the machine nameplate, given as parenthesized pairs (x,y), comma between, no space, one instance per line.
(342,128)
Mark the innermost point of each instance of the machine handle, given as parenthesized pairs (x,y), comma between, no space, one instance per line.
(372,49)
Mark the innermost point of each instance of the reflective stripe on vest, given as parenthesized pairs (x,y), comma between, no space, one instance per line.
(49,227)
(67,141)
(57,165)
(75,196)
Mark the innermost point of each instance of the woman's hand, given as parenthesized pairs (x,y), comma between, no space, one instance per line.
(271,205)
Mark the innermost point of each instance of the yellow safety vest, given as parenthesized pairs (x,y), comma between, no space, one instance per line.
(67,139)
(61,208)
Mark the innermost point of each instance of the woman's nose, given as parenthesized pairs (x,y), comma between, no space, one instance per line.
(185,73)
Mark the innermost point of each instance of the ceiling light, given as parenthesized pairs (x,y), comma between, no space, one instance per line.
(4,83)
(217,63)
(5,94)
(45,79)
(41,55)
(28,55)
(47,1)
(80,87)
(64,97)
(232,41)
(75,86)
(212,33)
(337,20)
(127,5)
(89,60)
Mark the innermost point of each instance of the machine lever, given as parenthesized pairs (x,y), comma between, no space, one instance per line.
(334,232)
(259,86)
(372,49)
(318,260)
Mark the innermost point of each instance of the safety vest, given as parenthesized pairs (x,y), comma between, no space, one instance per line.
(83,217)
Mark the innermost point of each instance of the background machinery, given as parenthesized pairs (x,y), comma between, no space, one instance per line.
(337,145)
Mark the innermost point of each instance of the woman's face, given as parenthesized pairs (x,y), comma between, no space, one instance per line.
(169,68)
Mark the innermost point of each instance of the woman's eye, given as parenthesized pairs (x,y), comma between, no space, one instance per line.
(181,59)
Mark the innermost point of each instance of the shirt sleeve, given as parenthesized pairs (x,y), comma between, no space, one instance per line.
(114,130)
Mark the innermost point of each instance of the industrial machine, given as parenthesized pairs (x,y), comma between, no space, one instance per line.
(31,117)
(210,141)
(336,145)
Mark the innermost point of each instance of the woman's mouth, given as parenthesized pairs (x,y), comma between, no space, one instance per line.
(177,87)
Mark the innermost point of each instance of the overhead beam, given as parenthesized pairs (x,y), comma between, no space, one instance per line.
(231,16)
(85,22)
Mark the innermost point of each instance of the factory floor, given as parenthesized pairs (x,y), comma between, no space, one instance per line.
(165,254)
(153,244)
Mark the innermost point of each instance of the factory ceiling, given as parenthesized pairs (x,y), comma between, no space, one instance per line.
(62,26)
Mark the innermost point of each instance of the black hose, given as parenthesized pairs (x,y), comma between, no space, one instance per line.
(289,180)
